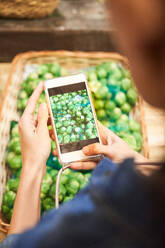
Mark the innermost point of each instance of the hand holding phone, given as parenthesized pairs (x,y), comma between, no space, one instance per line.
(73,117)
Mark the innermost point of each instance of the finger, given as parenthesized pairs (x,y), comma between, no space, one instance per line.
(55,153)
(42,117)
(83,165)
(32,102)
(95,149)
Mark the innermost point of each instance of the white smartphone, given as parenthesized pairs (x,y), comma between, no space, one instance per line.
(73,117)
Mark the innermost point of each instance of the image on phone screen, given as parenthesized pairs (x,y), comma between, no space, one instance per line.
(73,117)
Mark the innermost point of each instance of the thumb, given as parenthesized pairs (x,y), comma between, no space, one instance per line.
(95,149)
(42,116)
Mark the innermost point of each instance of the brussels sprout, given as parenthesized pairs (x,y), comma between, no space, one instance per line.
(55,69)
(102,92)
(22,95)
(101,114)
(12,184)
(88,133)
(9,198)
(115,114)
(15,163)
(63,179)
(15,131)
(53,174)
(132,96)
(83,184)
(99,104)
(79,177)
(72,186)
(101,72)
(45,188)
(48,204)
(134,126)
(126,108)
(91,75)
(120,98)
(47,179)
(13,142)
(42,69)
(124,118)
(126,84)
(116,74)
(110,105)
(66,139)
(5,209)
(73,138)
(9,156)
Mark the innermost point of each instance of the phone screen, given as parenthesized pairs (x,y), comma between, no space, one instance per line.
(73,117)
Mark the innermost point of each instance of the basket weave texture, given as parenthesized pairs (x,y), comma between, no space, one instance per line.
(70,60)
(29,9)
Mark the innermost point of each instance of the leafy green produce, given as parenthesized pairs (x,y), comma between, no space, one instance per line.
(48,203)
(126,84)
(12,184)
(9,198)
(132,96)
(134,126)
(126,108)
(120,98)
(73,186)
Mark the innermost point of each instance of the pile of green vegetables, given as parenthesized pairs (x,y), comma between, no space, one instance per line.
(114,96)
(73,117)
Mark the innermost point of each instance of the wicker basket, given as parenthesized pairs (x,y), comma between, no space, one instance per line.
(30,9)
(69,60)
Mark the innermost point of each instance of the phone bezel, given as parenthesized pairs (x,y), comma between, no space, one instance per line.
(78,155)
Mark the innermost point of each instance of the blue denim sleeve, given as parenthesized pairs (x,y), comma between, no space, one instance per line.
(9,241)
(110,210)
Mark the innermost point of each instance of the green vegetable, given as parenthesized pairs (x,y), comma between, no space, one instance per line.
(132,96)
(99,104)
(120,98)
(12,184)
(47,179)
(72,186)
(48,204)
(15,163)
(126,108)
(110,105)
(134,126)
(126,84)
(9,198)
(101,114)
(115,114)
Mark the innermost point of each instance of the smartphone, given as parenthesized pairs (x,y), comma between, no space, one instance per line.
(73,117)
